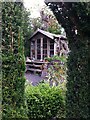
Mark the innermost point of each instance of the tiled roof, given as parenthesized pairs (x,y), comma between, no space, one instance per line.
(48,34)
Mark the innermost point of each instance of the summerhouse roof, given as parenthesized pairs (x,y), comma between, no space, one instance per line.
(48,34)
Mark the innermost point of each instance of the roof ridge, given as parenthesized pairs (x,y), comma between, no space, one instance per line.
(48,34)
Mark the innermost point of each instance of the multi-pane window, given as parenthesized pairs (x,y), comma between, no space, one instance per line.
(51,48)
(44,48)
(33,49)
(38,49)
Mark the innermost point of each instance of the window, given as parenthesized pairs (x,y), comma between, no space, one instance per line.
(33,49)
(44,48)
(51,48)
(38,49)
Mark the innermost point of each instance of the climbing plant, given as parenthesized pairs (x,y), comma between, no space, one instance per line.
(13,61)
(56,73)
(74,17)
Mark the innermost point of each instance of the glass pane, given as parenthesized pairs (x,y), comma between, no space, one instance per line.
(38,49)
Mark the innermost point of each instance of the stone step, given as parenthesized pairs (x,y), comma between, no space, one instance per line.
(34,70)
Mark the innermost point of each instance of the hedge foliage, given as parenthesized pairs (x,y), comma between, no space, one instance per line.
(74,17)
(45,101)
(13,61)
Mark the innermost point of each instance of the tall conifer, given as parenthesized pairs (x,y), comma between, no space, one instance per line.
(74,17)
(13,61)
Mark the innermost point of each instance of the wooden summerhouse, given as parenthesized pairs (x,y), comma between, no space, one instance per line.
(45,44)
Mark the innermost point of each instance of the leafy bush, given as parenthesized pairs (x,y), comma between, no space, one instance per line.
(56,57)
(57,70)
(45,101)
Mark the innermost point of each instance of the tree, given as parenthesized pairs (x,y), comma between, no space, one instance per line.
(49,22)
(36,23)
(27,31)
(74,17)
(54,26)
(46,21)
(13,61)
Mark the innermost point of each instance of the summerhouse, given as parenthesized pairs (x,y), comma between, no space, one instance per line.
(45,44)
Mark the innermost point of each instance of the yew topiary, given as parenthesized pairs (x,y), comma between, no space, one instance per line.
(74,18)
(13,61)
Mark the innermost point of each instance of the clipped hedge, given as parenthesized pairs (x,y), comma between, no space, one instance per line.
(13,62)
(45,101)
(78,95)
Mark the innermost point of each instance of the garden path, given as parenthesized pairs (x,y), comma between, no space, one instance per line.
(34,79)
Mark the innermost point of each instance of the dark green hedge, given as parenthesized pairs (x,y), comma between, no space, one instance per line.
(13,87)
(78,94)
(74,17)
(13,62)
(45,101)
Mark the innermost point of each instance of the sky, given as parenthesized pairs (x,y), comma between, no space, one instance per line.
(34,6)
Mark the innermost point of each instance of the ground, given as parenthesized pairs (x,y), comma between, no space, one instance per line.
(33,78)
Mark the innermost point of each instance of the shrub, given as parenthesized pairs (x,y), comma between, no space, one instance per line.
(56,57)
(78,95)
(57,70)
(13,61)
(45,101)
